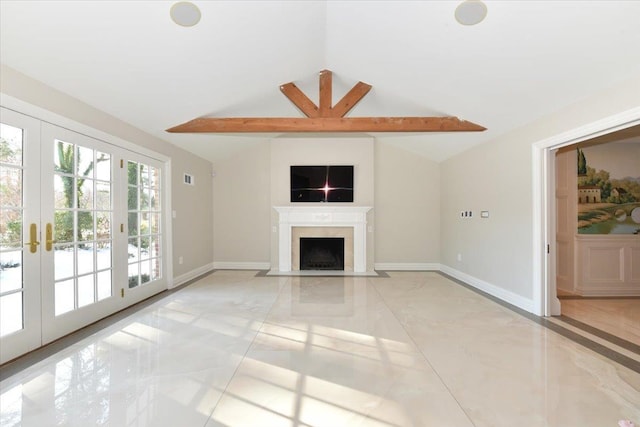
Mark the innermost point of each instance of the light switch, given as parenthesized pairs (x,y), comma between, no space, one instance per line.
(484,214)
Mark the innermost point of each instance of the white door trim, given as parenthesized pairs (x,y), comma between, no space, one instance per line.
(543,192)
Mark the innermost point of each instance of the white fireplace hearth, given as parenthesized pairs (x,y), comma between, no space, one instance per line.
(322,221)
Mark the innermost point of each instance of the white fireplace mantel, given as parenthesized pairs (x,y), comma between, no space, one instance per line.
(323,216)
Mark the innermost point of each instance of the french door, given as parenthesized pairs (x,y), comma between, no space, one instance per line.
(81,234)
(20,273)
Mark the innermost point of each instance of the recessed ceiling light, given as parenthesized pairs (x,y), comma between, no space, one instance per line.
(471,12)
(185,13)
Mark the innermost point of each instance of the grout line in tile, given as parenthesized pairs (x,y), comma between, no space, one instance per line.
(426,359)
(235,371)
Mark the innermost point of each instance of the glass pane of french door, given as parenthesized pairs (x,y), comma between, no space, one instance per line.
(11,225)
(144,219)
(82,226)
(19,213)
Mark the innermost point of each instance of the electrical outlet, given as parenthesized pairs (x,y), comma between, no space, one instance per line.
(180,260)
(459,257)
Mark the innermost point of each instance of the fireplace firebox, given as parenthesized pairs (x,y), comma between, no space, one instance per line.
(321,253)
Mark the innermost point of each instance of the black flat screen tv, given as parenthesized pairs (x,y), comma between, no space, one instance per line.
(322,184)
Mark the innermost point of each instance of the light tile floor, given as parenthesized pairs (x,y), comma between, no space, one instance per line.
(415,349)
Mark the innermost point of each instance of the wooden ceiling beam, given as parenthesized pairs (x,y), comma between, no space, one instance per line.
(300,100)
(326,124)
(350,99)
(324,117)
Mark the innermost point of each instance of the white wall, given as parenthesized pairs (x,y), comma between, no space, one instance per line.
(497,176)
(192,228)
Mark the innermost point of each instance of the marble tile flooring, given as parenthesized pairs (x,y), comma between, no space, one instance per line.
(233,349)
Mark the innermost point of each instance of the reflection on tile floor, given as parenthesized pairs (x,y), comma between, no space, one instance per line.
(414,349)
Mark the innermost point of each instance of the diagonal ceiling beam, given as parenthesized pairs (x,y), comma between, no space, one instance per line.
(326,124)
(299,99)
(325,117)
(350,99)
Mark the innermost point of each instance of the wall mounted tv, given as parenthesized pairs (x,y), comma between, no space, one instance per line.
(322,183)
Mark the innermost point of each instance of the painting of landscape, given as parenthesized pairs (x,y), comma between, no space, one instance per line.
(609,188)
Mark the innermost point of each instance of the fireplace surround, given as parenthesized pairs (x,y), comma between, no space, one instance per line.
(349,222)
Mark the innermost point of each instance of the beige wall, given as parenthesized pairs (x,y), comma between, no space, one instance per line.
(407,206)
(242,208)
(497,176)
(404,191)
(192,229)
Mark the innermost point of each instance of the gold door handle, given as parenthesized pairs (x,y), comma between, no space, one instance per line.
(49,237)
(33,239)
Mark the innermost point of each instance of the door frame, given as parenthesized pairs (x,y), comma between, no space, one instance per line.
(545,301)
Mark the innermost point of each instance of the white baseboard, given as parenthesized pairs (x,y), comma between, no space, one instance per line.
(228,265)
(183,278)
(407,266)
(503,294)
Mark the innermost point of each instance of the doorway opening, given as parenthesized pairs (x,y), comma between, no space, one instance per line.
(546,263)
(597,249)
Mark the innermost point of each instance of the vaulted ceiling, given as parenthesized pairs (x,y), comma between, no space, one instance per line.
(526,60)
